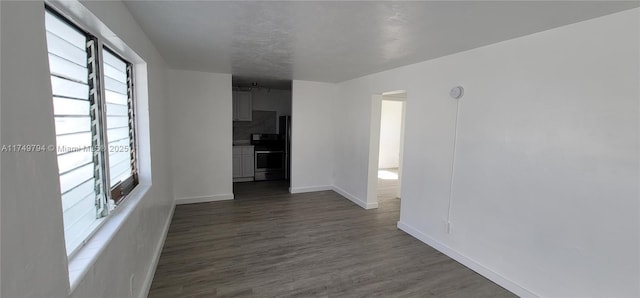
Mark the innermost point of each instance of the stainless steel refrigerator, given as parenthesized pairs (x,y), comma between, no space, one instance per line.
(285,133)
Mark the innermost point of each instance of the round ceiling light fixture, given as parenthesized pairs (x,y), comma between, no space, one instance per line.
(456,92)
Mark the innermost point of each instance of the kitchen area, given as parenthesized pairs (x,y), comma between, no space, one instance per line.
(261,136)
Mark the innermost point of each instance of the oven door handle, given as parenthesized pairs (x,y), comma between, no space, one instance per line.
(279,151)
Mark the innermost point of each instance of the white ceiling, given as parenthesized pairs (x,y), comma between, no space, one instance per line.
(337,41)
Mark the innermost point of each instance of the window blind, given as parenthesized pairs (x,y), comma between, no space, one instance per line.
(119,126)
(69,69)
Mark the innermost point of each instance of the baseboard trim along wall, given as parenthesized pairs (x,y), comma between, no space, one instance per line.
(354,199)
(146,286)
(204,199)
(310,188)
(467,262)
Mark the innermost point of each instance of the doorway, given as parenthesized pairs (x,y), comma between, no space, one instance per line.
(386,147)
(261,137)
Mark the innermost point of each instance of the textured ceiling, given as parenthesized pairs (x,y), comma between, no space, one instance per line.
(337,41)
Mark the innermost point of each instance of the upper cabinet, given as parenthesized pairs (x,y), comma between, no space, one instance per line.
(242,107)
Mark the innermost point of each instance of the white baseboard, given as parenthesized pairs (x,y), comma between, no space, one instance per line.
(204,199)
(468,262)
(354,199)
(146,286)
(310,188)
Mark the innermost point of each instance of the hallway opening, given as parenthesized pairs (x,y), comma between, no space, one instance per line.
(386,146)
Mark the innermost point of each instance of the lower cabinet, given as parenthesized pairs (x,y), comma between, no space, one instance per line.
(243,163)
(237,165)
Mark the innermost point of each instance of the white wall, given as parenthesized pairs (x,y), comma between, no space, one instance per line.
(390,133)
(545,191)
(32,235)
(33,256)
(312,136)
(201,130)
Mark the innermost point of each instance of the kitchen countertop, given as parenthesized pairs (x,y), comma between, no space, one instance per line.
(242,143)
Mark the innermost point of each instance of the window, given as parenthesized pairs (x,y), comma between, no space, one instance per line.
(120,133)
(95,127)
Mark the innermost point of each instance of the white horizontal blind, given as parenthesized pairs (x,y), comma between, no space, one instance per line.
(69,81)
(118,118)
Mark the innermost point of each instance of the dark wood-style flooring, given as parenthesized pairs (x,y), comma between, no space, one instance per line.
(269,243)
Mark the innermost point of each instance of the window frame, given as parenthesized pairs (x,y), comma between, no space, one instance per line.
(118,193)
(107,198)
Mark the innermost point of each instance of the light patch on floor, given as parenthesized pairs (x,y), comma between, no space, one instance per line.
(387,175)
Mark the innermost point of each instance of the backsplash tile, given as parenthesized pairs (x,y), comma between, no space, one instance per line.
(263,122)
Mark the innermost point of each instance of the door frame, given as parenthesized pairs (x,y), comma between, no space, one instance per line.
(374,145)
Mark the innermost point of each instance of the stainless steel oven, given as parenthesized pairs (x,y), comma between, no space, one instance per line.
(269,165)
(269,156)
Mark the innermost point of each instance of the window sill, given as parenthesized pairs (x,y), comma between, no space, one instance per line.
(85,258)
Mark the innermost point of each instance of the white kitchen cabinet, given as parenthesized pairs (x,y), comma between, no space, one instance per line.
(242,106)
(237,166)
(243,163)
(248,168)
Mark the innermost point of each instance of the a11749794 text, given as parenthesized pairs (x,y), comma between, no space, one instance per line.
(62,148)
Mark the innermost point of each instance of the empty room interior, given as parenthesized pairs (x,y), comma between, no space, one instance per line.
(320,148)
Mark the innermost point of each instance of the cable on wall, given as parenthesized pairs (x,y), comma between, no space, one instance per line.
(456,93)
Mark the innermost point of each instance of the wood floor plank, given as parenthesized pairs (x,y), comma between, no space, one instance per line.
(269,243)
